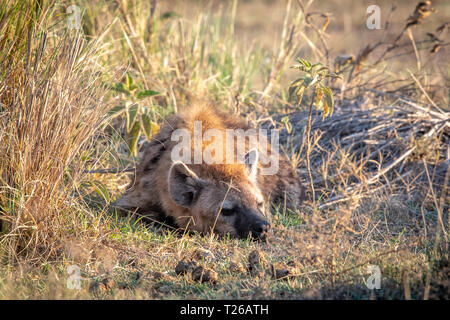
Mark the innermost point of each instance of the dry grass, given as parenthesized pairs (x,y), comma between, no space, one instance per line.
(379,164)
(50,108)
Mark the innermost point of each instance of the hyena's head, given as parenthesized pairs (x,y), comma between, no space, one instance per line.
(224,207)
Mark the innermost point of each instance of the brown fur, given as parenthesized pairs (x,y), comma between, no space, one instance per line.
(157,190)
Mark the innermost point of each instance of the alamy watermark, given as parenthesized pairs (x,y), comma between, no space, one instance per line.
(374,280)
(74,18)
(374,19)
(74,280)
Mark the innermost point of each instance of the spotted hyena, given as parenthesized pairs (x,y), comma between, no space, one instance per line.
(195,193)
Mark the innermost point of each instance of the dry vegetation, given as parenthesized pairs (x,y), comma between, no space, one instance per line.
(76,107)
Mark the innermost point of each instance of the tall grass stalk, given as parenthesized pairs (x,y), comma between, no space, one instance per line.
(50,106)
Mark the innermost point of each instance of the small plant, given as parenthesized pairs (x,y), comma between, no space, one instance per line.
(137,115)
(287,124)
(315,77)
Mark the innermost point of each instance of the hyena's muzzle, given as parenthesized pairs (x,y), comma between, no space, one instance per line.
(251,222)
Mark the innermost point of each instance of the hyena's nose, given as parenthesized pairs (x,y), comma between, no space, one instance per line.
(260,229)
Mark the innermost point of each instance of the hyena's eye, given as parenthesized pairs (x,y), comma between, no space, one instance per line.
(260,204)
(227,212)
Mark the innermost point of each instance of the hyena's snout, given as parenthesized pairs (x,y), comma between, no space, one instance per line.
(260,229)
(254,224)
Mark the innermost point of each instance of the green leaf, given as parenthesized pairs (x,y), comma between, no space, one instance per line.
(146,93)
(329,102)
(169,14)
(319,103)
(129,81)
(119,87)
(133,137)
(308,80)
(101,190)
(134,86)
(292,91)
(132,111)
(287,124)
(304,62)
(146,126)
(116,111)
(298,82)
(298,91)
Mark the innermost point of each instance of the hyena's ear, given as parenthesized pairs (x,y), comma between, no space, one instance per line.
(184,184)
(251,162)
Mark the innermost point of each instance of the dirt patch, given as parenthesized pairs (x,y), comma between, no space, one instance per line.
(281,270)
(256,263)
(102,286)
(184,267)
(237,267)
(202,274)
